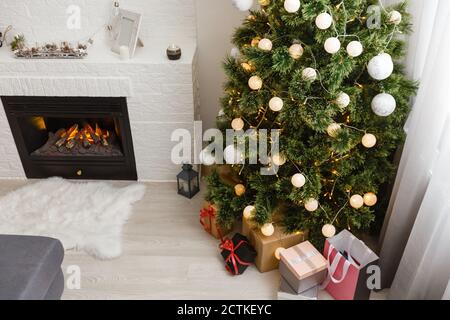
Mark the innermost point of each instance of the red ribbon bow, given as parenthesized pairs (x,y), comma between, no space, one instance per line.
(228,245)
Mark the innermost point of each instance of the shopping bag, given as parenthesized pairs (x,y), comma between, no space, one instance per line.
(348,261)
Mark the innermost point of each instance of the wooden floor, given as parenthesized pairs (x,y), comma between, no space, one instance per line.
(167,255)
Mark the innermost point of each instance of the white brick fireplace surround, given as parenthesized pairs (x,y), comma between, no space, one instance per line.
(161,94)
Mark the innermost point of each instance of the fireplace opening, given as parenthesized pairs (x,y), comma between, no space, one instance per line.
(77,137)
(72,137)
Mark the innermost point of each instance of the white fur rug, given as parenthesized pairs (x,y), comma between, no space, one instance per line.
(85,216)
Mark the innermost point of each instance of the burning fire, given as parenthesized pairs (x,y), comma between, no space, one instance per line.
(87,136)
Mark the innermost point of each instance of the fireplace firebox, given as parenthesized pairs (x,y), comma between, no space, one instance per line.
(72,137)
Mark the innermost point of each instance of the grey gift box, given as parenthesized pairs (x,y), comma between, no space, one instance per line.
(287,293)
(303,267)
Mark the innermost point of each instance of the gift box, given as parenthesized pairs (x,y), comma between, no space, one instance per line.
(208,215)
(287,293)
(266,246)
(303,267)
(237,253)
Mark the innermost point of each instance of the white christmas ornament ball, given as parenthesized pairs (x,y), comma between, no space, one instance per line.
(343,100)
(221,113)
(395,17)
(268,229)
(276,104)
(234,53)
(309,74)
(207,158)
(232,155)
(311,204)
(324,21)
(278,159)
(278,253)
(333,129)
(243,5)
(369,140)
(381,66)
(383,104)
(356,201)
(292,6)
(265,44)
(296,51)
(255,83)
(328,230)
(298,180)
(332,45)
(370,199)
(355,49)
(249,212)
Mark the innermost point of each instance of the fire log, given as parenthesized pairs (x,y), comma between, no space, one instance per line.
(104,142)
(92,133)
(70,144)
(63,139)
(86,142)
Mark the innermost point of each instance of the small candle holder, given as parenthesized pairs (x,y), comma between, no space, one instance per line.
(174,52)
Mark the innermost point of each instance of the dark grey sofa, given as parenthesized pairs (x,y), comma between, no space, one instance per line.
(30,268)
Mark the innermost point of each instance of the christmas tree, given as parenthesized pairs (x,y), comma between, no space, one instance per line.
(322,72)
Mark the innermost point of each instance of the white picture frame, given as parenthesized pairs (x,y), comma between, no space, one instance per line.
(127,33)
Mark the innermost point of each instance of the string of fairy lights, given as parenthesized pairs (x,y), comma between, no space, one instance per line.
(379,68)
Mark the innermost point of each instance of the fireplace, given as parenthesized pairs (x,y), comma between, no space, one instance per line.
(72,137)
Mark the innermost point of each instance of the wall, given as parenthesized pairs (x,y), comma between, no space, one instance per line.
(216,21)
(46,20)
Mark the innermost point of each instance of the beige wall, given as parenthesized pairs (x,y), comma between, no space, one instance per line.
(216,21)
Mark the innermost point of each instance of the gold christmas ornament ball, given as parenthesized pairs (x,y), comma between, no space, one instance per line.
(370,199)
(255,42)
(332,45)
(255,83)
(395,17)
(311,205)
(268,229)
(309,74)
(247,67)
(264,2)
(237,124)
(278,253)
(265,44)
(296,51)
(249,212)
(328,231)
(369,140)
(278,159)
(324,21)
(333,129)
(276,104)
(298,180)
(239,189)
(356,201)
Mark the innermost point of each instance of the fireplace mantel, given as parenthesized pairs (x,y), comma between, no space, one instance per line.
(162,96)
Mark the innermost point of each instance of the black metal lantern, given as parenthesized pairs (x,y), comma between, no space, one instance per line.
(188,182)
